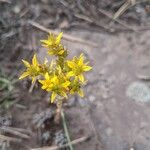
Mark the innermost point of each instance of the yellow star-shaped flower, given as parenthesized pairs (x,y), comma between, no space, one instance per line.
(78,67)
(32,70)
(57,85)
(54,46)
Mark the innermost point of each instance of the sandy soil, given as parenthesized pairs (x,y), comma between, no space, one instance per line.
(119,122)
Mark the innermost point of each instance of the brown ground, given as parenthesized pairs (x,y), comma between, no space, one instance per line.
(112,119)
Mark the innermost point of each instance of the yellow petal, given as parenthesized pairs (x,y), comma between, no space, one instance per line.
(64,94)
(70,64)
(70,74)
(72,91)
(26,63)
(81,60)
(53,96)
(87,68)
(61,52)
(50,52)
(80,92)
(34,60)
(41,81)
(43,87)
(25,74)
(45,42)
(48,89)
(81,77)
(66,84)
(47,77)
(59,70)
(52,64)
(58,39)
(55,79)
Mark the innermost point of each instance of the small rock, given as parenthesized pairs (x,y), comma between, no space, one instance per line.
(16,9)
(92,98)
(109,131)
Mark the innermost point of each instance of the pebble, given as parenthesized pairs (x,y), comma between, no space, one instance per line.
(92,98)
(109,131)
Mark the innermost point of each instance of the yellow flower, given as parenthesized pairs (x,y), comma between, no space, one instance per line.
(54,46)
(61,77)
(57,85)
(32,70)
(78,67)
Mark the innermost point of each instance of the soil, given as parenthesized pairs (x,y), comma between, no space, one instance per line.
(112,119)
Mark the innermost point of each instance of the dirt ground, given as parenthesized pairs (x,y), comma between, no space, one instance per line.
(114,117)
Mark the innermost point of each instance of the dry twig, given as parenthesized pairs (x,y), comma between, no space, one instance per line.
(80,140)
(65,36)
(90,20)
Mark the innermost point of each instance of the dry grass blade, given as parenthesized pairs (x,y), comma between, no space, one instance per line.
(74,142)
(84,18)
(11,139)
(65,36)
(90,20)
(32,86)
(127,5)
(20,130)
(17,133)
(117,20)
(122,9)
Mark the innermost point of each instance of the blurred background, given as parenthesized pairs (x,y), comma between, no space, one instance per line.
(114,36)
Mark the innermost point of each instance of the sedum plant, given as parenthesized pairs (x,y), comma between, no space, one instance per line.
(60,77)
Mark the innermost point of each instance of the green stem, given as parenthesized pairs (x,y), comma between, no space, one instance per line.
(66,130)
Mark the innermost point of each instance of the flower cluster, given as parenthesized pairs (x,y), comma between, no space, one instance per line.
(61,77)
